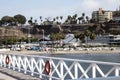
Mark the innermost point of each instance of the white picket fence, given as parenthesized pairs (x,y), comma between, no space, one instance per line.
(60,68)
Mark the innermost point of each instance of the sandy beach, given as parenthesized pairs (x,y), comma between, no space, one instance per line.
(28,52)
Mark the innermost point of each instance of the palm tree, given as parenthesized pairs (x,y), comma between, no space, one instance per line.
(87,34)
(41,19)
(61,17)
(83,15)
(57,18)
(79,19)
(31,18)
(54,20)
(75,15)
(74,20)
(69,18)
(87,18)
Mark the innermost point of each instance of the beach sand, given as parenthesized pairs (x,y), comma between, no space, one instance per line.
(26,52)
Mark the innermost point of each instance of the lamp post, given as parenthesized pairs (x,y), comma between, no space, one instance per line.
(29,36)
(43,34)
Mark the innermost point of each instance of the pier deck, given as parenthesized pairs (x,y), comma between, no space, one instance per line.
(6,74)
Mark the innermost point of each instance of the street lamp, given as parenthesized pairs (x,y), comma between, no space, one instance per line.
(29,36)
(43,34)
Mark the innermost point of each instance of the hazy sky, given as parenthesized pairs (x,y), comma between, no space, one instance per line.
(52,8)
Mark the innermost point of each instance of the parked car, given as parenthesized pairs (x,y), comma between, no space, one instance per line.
(33,48)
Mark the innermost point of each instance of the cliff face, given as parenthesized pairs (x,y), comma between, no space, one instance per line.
(10,32)
(37,31)
(57,28)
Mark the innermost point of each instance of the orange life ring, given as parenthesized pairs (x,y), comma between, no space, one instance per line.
(47,67)
(7,60)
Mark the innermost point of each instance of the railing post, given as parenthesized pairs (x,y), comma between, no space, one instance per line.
(32,67)
(4,58)
(14,62)
(0,60)
(76,70)
(93,70)
(19,63)
(117,71)
(61,70)
(40,67)
(25,68)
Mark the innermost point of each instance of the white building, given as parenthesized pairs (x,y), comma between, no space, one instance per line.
(105,40)
(98,41)
(102,16)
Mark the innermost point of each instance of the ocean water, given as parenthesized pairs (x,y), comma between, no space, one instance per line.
(115,57)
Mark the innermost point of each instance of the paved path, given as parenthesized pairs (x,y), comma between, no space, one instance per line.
(6,77)
(8,74)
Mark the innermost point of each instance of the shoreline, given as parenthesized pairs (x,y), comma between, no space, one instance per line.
(25,52)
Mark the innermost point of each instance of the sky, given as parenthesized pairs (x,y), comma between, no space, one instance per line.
(53,8)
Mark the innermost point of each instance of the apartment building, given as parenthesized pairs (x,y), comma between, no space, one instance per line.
(102,16)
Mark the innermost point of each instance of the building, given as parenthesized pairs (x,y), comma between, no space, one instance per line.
(116,14)
(102,16)
(105,40)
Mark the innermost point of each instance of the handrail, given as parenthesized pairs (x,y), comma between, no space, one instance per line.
(60,68)
(67,59)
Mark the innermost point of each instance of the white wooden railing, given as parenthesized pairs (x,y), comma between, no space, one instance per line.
(60,68)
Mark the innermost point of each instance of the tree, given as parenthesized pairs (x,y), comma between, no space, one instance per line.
(61,17)
(57,18)
(92,36)
(69,19)
(20,19)
(75,15)
(54,19)
(87,34)
(83,15)
(1,22)
(30,21)
(79,19)
(77,35)
(74,19)
(7,20)
(41,19)
(53,36)
(87,18)
(35,22)
(94,28)
(82,38)
(60,37)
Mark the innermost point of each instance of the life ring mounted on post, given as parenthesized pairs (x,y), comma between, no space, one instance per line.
(47,67)
(7,60)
